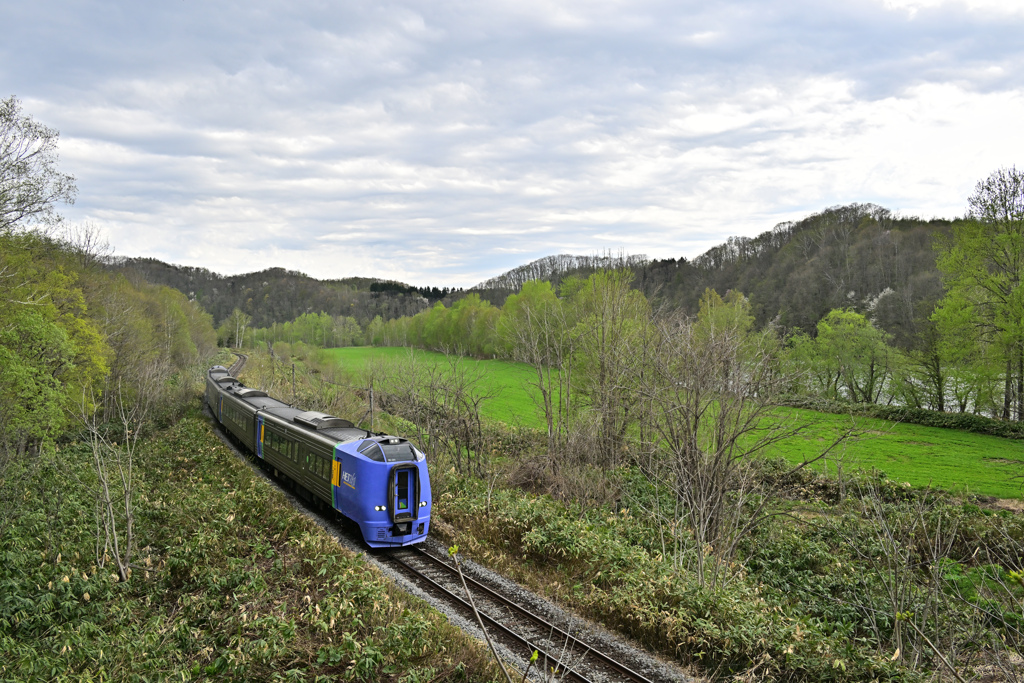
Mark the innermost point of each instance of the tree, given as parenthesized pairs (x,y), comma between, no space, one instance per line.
(531,330)
(30,183)
(850,357)
(711,384)
(237,322)
(612,339)
(982,263)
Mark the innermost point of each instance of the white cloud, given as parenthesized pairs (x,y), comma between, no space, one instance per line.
(444,146)
(995,6)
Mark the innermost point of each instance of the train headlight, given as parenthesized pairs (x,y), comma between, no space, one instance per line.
(380,508)
(423,503)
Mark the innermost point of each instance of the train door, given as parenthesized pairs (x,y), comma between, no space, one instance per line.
(259,436)
(220,409)
(404,494)
(336,481)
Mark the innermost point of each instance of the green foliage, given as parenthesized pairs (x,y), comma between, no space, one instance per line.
(467,327)
(315,329)
(849,358)
(49,350)
(610,567)
(982,262)
(231,582)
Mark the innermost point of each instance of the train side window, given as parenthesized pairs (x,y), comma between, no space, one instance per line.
(372,451)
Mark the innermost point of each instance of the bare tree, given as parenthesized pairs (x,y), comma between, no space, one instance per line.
(538,330)
(238,321)
(712,387)
(115,440)
(30,183)
(443,400)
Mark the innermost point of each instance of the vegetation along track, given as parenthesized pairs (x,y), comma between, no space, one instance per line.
(509,622)
(516,627)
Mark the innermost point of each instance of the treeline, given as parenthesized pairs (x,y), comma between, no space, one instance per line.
(858,257)
(554,268)
(842,257)
(949,349)
(872,309)
(277,295)
(75,337)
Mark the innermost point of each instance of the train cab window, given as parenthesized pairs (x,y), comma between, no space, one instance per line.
(401,452)
(372,451)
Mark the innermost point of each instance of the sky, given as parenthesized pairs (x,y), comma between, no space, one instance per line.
(442,143)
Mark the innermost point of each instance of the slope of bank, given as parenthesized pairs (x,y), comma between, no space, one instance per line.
(228,580)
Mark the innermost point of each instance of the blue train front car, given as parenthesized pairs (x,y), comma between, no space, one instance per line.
(380,482)
(383,485)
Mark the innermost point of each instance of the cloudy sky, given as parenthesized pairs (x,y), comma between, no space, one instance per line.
(442,143)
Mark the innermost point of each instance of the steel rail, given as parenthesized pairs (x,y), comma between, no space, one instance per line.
(493,595)
(506,631)
(238,364)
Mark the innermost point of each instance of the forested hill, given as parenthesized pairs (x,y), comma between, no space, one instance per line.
(858,256)
(277,295)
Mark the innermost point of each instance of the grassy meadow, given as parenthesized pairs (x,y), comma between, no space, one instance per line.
(515,403)
(948,459)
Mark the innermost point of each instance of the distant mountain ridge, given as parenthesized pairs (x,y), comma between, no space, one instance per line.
(858,256)
(277,295)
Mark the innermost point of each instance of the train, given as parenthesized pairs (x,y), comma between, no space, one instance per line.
(380,482)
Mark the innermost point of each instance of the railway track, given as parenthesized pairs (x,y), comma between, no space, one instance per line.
(515,626)
(237,366)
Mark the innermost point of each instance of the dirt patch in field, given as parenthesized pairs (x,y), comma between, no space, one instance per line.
(1015,505)
(1005,461)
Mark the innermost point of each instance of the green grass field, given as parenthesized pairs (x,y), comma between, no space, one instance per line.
(514,401)
(944,458)
(922,456)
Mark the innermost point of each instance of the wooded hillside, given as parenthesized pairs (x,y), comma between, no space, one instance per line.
(858,256)
(277,295)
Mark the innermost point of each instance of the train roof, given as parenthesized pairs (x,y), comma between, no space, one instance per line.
(329,426)
(333,428)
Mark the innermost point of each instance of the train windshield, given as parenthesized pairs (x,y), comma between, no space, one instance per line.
(401,452)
